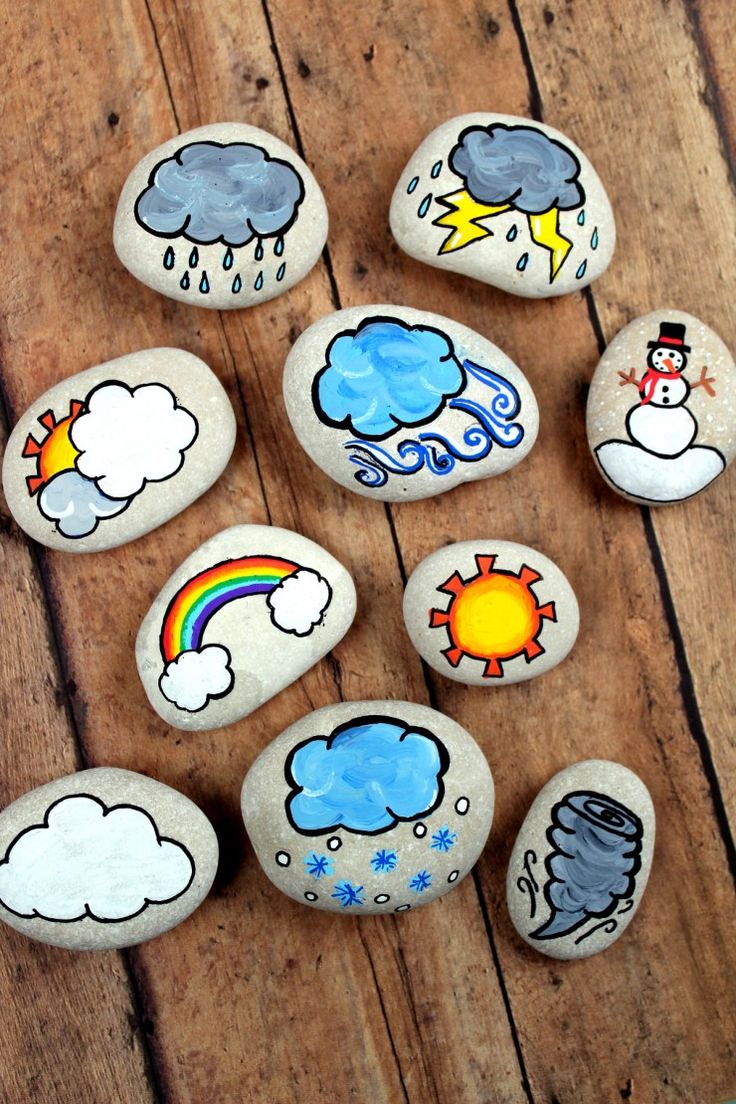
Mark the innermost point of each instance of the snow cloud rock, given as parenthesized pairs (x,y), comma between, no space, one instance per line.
(367,776)
(518,165)
(90,860)
(299,602)
(128,437)
(210,193)
(193,678)
(76,504)
(384,376)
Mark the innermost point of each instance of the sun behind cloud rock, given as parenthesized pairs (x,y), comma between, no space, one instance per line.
(368,775)
(90,860)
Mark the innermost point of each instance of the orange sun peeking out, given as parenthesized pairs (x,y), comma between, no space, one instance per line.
(55,453)
(493,616)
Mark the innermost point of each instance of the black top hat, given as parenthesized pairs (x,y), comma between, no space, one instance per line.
(671,336)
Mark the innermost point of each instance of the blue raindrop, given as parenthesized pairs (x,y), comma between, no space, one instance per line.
(412,185)
(436,170)
(594,239)
(184,282)
(237,284)
(281,271)
(259,251)
(227,260)
(581,270)
(194,258)
(581,218)
(259,282)
(204,284)
(522,262)
(424,205)
(512,234)
(279,247)
(169,258)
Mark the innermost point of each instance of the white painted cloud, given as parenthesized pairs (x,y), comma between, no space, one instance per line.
(129,437)
(90,860)
(190,680)
(298,603)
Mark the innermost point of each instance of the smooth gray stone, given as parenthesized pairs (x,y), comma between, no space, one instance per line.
(103,858)
(369,807)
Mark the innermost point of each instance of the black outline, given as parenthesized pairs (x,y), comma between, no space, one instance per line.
(556,826)
(347,423)
(367,719)
(87,914)
(85,410)
(492,570)
(181,232)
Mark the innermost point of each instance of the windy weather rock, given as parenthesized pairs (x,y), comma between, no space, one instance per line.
(581,861)
(244,616)
(110,453)
(374,806)
(661,415)
(223,216)
(509,201)
(399,404)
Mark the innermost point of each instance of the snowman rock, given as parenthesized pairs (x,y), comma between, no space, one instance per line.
(112,452)
(206,658)
(364,807)
(581,861)
(661,415)
(509,201)
(103,858)
(223,216)
(396,403)
(488,612)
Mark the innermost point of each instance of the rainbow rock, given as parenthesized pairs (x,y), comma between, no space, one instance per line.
(581,860)
(369,807)
(508,201)
(244,616)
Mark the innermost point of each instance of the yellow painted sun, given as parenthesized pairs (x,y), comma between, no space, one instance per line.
(55,452)
(493,616)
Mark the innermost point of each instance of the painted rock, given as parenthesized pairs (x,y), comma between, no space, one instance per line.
(396,403)
(581,861)
(103,858)
(374,806)
(490,612)
(509,201)
(206,658)
(223,216)
(661,412)
(109,454)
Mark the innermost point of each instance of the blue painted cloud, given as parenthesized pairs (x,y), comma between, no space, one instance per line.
(368,775)
(385,375)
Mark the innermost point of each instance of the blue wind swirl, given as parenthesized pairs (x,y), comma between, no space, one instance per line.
(494,425)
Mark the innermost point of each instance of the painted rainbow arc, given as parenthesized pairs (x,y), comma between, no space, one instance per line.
(193,606)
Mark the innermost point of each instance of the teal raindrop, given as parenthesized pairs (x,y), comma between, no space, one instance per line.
(227,260)
(194,258)
(204,284)
(279,247)
(281,271)
(436,170)
(522,262)
(169,258)
(581,270)
(511,236)
(237,284)
(594,239)
(424,205)
(184,282)
(412,185)
(581,218)
(259,282)
(259,251)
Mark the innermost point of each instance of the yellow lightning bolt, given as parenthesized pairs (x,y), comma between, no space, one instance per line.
(544,230)
(463,217)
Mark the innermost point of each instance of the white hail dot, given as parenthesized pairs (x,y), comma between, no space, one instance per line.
(283,858)
(334,843)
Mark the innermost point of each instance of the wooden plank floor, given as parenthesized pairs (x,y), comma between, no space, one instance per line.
(256,999)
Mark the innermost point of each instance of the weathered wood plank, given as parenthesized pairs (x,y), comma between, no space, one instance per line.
(618,695)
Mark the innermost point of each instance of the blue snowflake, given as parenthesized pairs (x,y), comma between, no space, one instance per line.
(421,881)
(318,866)
(383,861)
(443,839)
(348,894)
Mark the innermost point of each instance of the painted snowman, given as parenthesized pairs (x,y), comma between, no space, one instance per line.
(661,422)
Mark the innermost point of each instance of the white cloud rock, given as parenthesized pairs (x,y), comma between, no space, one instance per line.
(91,860)
(298,603)
(190,680)
(129,437)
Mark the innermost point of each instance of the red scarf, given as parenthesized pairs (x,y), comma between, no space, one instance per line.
(649,382)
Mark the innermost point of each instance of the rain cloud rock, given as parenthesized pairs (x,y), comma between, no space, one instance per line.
(211,192)
(596,852)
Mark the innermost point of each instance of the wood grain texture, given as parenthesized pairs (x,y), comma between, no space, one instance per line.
(256,998)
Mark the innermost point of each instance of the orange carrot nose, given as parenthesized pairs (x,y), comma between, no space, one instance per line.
(668,364)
